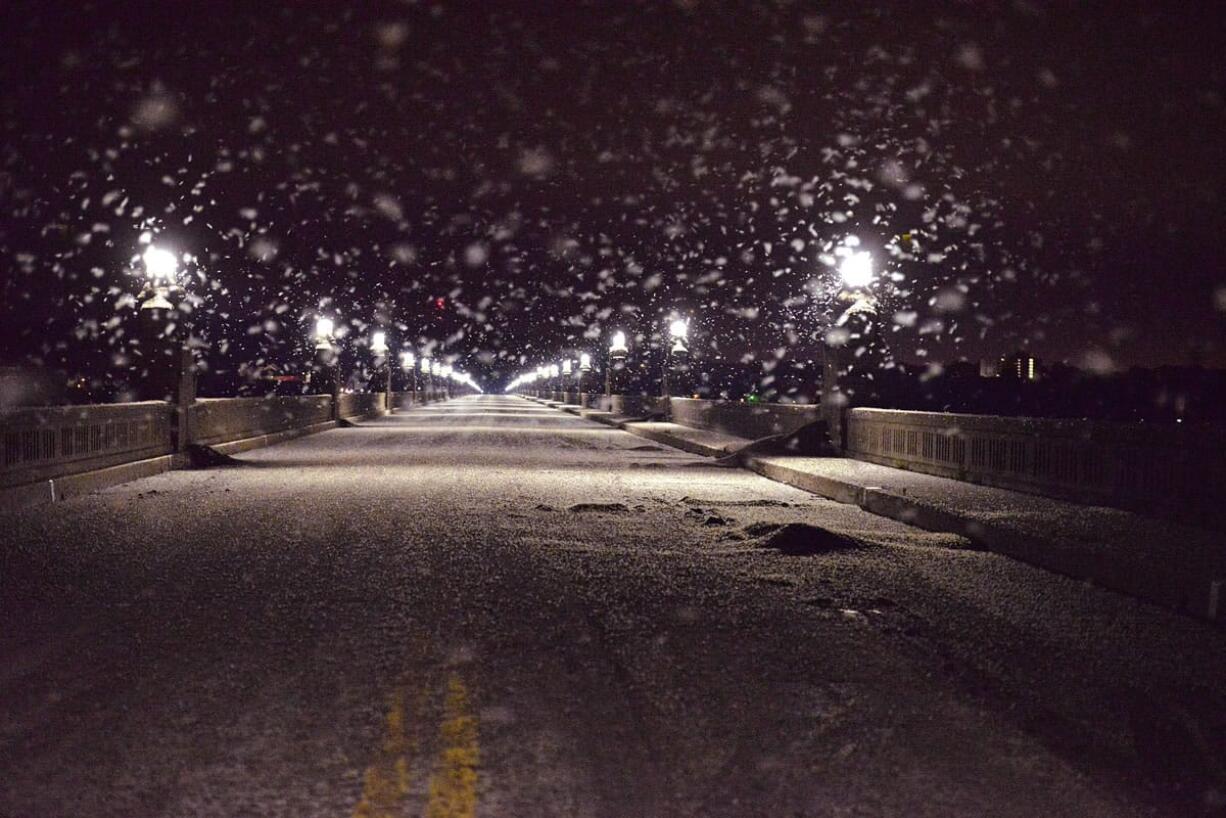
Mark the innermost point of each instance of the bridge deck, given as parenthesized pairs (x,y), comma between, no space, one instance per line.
(490,603)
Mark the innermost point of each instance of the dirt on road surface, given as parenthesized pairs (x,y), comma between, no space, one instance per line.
(487,607)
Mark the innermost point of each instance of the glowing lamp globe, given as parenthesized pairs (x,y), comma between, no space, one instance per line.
(160,265)
(857,269)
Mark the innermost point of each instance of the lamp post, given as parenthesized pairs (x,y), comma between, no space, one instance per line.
(427,380)
(585,370)
(169,369)
(383,367)
(852,354)
(677,365)
(326,376)
(615,373)
(408,362)
(436,374)
(158,326)
(567,379)
(554,381)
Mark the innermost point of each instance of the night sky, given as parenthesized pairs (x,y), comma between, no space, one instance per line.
(502,181)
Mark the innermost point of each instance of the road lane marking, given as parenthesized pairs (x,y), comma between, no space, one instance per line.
(385,784)
(453,787)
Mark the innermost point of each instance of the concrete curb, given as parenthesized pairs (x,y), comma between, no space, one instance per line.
(1203,597)
(1196,595)
(691,446)
(58,489)
(260,441)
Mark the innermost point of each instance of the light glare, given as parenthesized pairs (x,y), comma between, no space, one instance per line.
(857,269)
(160,264)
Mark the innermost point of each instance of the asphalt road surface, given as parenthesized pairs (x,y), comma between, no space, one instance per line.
(487,607)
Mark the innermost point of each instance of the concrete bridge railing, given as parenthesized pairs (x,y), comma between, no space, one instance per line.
(45,442)
(221,420)
(751,420)
(1171,471)
(50,453)
(1130,466)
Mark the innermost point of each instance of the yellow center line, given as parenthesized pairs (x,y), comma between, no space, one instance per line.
(453,787)
(385,784)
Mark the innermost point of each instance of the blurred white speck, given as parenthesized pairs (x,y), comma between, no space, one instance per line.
(155,111)
(970,57)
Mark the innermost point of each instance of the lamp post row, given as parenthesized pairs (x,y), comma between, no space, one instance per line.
(556,379)
(425,377)
(845,377)
(168,368)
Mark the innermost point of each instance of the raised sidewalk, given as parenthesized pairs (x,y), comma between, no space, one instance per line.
(1177,566)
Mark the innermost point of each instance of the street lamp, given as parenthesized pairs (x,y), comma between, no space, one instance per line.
(326,375)
(677,367)
(440,380)
(856,269)
(853,352)
(168,366)
(615,372)
(324,329)
(427,380)
(679,330)
(161,267)
(585,370)
(408,363)
(383,368)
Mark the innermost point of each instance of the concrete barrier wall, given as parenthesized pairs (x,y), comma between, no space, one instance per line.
(635,405)
(748,420)
(220,420)
(406,400)
(112,441)
(595,400)
(1113,464)
(46,442)
(356,404)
